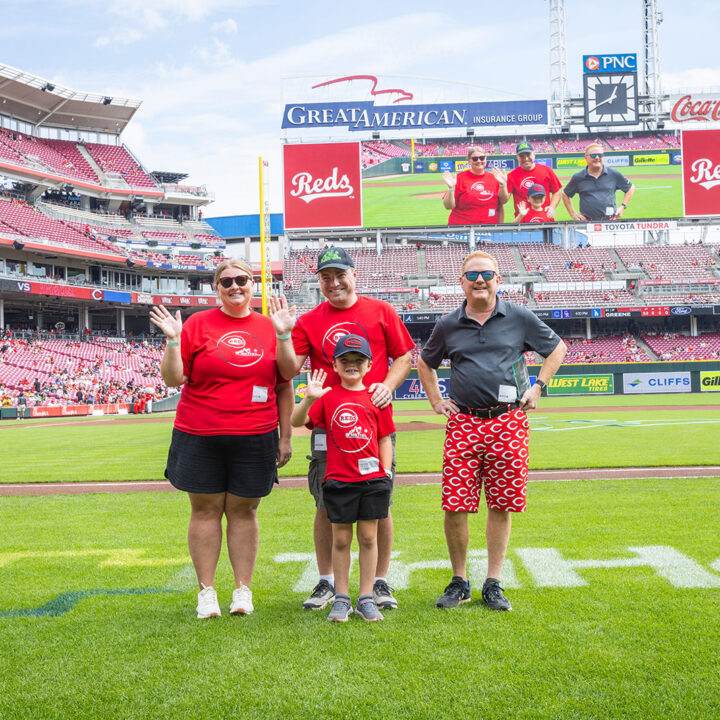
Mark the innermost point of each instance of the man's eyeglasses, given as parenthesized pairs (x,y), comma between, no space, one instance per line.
(473,275)
(595,156)
(477,158)
(239,280)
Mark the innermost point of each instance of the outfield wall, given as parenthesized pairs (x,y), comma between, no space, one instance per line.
(604,379)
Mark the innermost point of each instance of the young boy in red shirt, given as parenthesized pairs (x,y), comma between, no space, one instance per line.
(535,213)
(357,483)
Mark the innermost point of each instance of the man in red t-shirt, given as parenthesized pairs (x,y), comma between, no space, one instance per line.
(529,173)
(315,335)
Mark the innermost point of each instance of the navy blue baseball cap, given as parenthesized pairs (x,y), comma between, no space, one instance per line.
(334,257)
(352,343)
(536,190)
(524,147)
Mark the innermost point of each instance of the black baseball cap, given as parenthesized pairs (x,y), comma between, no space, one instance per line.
(334,257)
(524,147)
(352,343)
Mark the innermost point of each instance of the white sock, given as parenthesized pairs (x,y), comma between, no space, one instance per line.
(329,578)
(379,578)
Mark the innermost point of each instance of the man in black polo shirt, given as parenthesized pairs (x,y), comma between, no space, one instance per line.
(486,437)
(597,185)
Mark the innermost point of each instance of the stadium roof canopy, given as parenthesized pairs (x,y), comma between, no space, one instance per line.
(40,102)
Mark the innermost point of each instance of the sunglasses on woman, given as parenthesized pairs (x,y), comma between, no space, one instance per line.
(473,275)
(239,280)
(477,158)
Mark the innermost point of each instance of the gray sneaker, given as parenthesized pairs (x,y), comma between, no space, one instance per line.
(322,594)
(383,597)
(367,609)
(456,593)
(493,596)
(341,609)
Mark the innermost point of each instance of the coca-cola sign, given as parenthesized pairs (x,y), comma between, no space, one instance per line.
(687,108)
(322,185)
(701,172)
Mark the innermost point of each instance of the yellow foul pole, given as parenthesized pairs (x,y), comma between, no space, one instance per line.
(265,274)
(412,156)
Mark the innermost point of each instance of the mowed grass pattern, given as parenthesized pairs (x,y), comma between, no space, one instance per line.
(626,645)
(397,201)
(135,449)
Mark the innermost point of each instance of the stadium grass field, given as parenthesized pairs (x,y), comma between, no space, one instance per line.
(97,615)
(135,448)
(411,200)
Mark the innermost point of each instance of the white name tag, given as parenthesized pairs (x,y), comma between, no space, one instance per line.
(259,394)
(491,212)
(368,465)
(610,211)
(320,441)
(507,393)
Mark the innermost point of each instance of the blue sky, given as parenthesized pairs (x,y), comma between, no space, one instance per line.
(210,72)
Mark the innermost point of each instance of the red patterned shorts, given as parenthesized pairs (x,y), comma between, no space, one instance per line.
(490,452)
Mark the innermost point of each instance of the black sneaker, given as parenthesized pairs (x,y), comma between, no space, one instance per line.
(456,593)
(492,595)
(322,594)
(382,594)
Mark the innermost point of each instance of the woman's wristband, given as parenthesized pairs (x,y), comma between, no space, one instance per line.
(173,344)
(285,336)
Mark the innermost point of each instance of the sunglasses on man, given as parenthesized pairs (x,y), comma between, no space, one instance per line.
(473,275)
(239,280)
(478,158)
(595,156)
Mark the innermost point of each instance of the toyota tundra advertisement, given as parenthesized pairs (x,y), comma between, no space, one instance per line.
(323,186)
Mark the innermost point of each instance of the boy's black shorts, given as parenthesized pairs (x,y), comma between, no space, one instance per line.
(348,502)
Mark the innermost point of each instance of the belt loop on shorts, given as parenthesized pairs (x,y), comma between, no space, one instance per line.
(488,413)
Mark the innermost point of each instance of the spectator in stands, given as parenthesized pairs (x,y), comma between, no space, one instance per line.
(597,185)
(314,336)
(475,196)
(527,174)
(225,449)
(535,212)
(487,429)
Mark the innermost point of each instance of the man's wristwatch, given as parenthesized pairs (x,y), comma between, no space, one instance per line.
(624,205)
(542,385)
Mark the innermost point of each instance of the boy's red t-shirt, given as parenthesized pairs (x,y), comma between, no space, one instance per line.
(535,216)
(232,373)
(353,426)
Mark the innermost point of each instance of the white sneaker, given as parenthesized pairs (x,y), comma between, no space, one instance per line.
(208,605)
(241,601)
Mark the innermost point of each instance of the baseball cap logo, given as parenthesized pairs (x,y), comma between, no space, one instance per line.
(330,255)
(352,342)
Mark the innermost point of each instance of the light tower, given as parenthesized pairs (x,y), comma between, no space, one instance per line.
(650,72)
(559,101)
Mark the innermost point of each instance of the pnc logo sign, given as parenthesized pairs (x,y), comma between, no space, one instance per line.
(623,62)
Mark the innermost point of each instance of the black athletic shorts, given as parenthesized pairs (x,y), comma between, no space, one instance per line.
(348,502)
(243,465)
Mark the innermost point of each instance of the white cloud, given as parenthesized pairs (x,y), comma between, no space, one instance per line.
(228,26)
(707,79)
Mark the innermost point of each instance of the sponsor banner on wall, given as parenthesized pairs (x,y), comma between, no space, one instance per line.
(581,385)
(208,301)
(73,410)
(617,160)
(632,226)
(570,162)
(461,165)
(419,166)
(413,390)
(695,107)
(655,159)
(660,382)
(546,161)
(364,116)
(676,158)
(446,165)
(405,167)
(709,381)
(322,183)
(503,163)
(701,172)
(115,296)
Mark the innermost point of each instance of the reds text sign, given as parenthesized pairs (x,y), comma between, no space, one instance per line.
(322,185)
(701,172)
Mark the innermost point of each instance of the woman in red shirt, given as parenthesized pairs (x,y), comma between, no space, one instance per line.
(475,196)
(225,448)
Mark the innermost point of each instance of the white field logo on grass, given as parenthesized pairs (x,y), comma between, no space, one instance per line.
(547,567)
